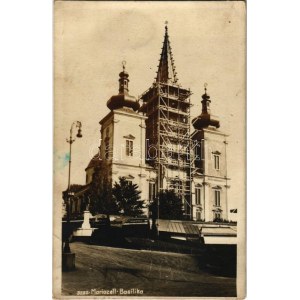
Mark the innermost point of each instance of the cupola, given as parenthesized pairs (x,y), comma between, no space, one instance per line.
(123,99)
(205,119)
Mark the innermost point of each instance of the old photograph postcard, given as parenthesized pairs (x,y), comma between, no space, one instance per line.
(149,149)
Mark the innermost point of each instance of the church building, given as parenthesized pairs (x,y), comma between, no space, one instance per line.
(152,142)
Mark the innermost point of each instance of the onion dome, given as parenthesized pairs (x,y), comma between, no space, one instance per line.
(205,119)
(123,99)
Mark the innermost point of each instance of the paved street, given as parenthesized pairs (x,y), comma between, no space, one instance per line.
(101,270)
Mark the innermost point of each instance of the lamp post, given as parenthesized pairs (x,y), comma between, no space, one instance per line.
(78,125)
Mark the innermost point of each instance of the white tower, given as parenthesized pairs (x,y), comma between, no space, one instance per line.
(122,149)
(210,181)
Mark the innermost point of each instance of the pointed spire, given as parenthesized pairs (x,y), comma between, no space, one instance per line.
(166,69)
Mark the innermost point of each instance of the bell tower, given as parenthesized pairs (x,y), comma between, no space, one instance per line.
(167,107)
(122,148)
(210,181)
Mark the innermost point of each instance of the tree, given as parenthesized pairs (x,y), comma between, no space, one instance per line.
(127,197)
(170,206)
(100,195)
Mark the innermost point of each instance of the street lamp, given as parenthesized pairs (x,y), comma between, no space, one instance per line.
(78,125)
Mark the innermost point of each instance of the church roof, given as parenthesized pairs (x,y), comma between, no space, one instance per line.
(75,190)
(166,69)
(94,162)
(121,101)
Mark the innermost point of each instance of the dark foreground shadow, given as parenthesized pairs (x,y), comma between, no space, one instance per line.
(218,260)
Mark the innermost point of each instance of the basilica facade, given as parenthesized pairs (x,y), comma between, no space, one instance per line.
(153,142)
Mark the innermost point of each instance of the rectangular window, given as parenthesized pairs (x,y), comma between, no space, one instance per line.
(217,162)
(129,148)
(217,198)
(217,216)
(177,186)
(198,215)
(151,191)
(198,196)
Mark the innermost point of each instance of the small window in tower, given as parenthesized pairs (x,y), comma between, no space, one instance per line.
(217,161)
(217,198)
(129,148)
(198,196)
(198,214)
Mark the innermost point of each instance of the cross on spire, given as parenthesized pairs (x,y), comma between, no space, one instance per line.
(166,69)
(205,87)
(124,64)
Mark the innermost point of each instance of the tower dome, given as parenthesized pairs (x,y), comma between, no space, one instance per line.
(205,119)
(123,99)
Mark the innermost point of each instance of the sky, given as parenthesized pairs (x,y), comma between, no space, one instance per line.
(93,38)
